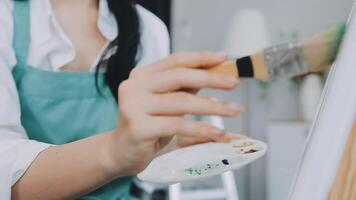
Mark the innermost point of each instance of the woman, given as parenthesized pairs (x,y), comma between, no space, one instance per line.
(61,63)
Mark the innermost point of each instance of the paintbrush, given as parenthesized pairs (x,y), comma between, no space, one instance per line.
(313,54)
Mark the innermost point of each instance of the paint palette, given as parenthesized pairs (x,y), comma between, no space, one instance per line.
(203,160)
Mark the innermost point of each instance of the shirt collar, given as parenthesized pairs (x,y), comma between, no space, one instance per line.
(107,23)
(41,27)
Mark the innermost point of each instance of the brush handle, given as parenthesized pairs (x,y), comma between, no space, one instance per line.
(247,67)
(227,68)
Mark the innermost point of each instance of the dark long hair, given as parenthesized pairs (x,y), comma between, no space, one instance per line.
(120,64)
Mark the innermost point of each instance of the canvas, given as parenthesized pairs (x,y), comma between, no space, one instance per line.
(332,125)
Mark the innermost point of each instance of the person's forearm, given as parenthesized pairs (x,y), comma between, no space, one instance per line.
(68,171)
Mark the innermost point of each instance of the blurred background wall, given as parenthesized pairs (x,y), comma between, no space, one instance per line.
(272,110)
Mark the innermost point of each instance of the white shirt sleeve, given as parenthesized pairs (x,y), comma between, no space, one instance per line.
(16,151)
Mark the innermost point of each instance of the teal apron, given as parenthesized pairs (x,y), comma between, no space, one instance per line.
(62,107)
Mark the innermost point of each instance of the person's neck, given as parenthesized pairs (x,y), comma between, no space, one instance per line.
(76,4)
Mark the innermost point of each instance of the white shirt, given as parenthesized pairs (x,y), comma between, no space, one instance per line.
(50,49)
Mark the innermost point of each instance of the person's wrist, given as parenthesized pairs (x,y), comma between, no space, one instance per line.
(112,156)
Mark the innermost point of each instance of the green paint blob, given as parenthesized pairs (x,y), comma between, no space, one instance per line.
(339,35)
(201,170)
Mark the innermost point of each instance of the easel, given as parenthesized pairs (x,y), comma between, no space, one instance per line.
(328,140)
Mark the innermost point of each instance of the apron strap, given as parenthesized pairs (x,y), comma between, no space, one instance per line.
(21,38)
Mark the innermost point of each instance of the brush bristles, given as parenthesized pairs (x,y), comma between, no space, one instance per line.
(320,51)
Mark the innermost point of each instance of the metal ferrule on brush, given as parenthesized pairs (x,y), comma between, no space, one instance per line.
(285,60)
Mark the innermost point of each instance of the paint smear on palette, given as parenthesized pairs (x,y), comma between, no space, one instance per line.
(206,169)
(246,148)
(244,144)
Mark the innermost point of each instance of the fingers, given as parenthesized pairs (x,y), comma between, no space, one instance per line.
(189,59)
(191,90)
(181,103)
(189,141)
(164,141)
(230,136)
(182,78)
(169,126)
